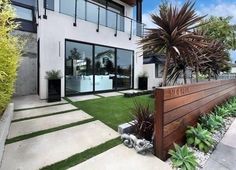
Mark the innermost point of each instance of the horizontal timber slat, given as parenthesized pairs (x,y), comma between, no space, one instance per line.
(180,106)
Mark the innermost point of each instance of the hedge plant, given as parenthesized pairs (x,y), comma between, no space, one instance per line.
(10,51)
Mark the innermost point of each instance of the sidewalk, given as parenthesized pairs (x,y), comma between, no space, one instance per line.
(224,157)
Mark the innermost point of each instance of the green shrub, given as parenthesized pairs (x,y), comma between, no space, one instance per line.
(53,74)
(143,114)
(212,122)
(10,51)
(182,158)
(200,138)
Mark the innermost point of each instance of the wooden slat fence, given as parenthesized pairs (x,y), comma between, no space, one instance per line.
(180,106)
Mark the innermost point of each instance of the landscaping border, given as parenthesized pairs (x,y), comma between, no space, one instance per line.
(180,106)
(5,123)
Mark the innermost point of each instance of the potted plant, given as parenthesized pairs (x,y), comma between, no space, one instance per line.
(143,81)
(54,85)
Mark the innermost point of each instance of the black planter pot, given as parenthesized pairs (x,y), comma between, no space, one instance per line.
(54,90)
(142,83)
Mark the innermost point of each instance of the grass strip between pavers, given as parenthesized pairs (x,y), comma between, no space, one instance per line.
(38,107)
(83,156)
(50,114)
(42,132)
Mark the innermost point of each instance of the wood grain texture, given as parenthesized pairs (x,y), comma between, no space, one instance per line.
(180,106)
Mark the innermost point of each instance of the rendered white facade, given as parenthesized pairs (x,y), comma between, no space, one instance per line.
(53,31)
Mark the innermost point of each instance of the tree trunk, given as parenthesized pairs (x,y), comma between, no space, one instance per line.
(209,75)
(185,76)
(165,70)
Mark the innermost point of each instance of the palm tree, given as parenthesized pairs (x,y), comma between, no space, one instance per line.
(174,34)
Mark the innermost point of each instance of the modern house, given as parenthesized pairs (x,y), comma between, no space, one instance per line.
(92,42)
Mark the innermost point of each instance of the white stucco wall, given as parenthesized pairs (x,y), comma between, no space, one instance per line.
(152,80)
(233,70)
(53,31)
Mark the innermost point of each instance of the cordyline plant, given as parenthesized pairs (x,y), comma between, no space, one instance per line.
(174,34)
(216,60)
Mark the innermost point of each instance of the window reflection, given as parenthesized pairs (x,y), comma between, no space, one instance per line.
(124,69)
(79,72)
(104,68)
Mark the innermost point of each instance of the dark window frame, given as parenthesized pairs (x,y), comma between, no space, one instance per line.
(157,75)
(95,44)
(27,25)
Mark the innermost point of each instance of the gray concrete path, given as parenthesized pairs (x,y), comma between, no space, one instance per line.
(42,111)
(43,123)
(40,151)
(122,158)
(224,157)
(25,102)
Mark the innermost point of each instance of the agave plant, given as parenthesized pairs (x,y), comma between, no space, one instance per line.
(183,158)
(222,111)
(212,122)
(144,116)
(173,35)
(200,138)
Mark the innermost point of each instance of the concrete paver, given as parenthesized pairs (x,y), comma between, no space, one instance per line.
(130,91)
(43,123)
(31,101)
(121,157)
(230,136)
(83,98)
(225,153)
(42,111)
(110,94)
(40,151)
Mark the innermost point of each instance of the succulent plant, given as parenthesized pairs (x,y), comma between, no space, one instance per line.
(183,158)
(200,138)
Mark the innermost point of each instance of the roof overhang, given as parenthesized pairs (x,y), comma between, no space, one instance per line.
(130,2)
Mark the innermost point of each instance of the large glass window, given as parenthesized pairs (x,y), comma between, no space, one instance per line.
(158,70)
(79,68)
(104,68)
(50,4)
(124,69)
(68,7)
(90,68)
(24,13)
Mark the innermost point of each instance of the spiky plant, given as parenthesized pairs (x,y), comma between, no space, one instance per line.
(183,158)
(144,116)
(173,34)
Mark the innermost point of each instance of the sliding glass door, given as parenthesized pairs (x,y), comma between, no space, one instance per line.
(94,68)
(104,68)
(124,69)
(78,68)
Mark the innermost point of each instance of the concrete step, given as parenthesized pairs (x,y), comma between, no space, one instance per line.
(40,151)
(42,111)
(121,157)
(43,123)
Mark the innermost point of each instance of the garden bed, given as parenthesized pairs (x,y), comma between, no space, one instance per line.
(209,132)
(134,94)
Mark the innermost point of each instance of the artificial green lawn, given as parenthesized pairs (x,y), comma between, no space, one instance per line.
(113,111)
